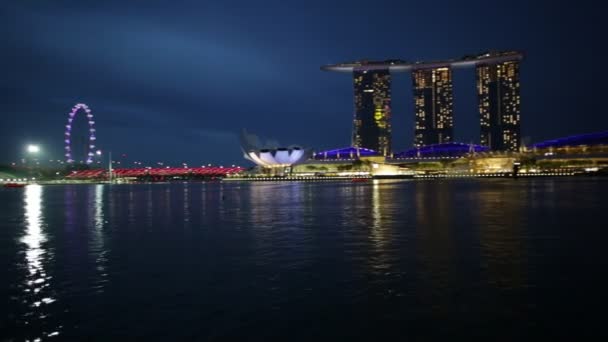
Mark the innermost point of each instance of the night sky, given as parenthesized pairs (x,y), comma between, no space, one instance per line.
(176,82)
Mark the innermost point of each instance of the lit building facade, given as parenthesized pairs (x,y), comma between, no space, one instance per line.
(498,96)
(372,114)
(499,105)
(433,101)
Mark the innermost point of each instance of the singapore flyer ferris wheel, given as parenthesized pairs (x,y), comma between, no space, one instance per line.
(90,142)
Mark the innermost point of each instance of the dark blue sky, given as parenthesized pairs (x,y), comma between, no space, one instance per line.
(176,80)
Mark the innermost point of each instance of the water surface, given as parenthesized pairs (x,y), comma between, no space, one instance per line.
(494,258)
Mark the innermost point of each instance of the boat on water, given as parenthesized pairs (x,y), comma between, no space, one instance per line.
(357,180)
(14,185)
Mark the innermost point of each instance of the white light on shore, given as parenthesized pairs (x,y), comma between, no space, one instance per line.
(33,148)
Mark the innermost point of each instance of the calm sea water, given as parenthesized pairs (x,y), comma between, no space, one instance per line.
(499,258)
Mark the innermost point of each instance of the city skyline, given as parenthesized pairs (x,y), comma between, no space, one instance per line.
(311,170)
(180,90)
(498,99)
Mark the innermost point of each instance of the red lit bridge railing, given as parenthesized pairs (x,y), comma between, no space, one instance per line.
(195,172)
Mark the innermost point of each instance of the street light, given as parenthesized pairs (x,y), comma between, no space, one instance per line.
(33,148)
(33,151)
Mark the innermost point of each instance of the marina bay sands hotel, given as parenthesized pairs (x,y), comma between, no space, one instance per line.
(497,90)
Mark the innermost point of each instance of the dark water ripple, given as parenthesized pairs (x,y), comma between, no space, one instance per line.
(500,259)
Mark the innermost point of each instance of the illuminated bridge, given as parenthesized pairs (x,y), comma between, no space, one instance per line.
(157,173)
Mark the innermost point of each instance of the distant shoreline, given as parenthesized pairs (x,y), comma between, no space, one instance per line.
(331,179)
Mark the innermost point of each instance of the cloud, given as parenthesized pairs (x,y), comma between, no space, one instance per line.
(146,53)
(219,136)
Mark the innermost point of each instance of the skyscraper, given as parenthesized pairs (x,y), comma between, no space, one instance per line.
(371,123)
(433,100)
(499,105)
(497,85)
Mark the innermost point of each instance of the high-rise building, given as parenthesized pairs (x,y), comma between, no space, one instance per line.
(433,99)
(497,85)
(372,116)
(499,105)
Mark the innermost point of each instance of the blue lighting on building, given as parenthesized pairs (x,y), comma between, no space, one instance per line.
(600,138)
(345,153)
(441,150)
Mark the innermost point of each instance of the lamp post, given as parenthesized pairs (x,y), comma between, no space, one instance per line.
(32,154)
(110,167)
(98,158)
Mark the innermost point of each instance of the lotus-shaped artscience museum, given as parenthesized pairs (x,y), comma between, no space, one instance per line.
(277,157)
(268,155)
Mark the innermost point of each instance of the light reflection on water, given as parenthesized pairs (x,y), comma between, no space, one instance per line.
(380,230)
(34,236)
(38,291)
(209,260)
(97,237)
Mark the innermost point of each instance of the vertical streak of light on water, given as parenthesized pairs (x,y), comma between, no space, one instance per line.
(98,244)
(34,236)
(378,232)
(37,283)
